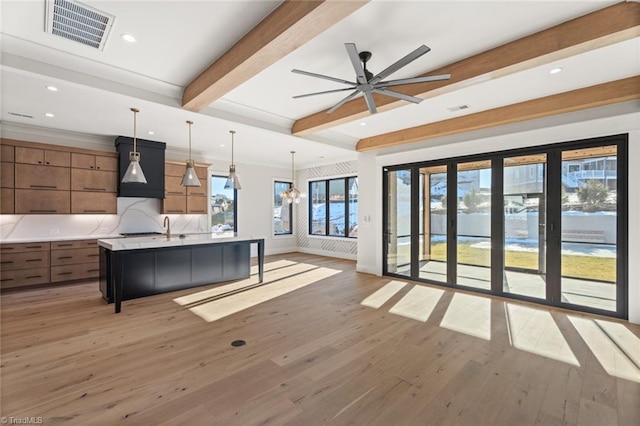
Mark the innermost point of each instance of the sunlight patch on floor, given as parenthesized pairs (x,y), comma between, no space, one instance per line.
(535,331)
(383,294)
(277,283)
(237,285)
(418,303)
(611,355)
(470,315)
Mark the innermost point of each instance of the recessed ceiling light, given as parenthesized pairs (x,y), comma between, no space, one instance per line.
(555,70)
(52,88)
(151,132)
(48,114)
(128,38)
(221,145)
(363,123)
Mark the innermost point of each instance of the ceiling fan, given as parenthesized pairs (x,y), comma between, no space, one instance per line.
(368,84)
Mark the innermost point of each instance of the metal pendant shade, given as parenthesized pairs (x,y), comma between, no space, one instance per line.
(190,177)
(293,195)
(134,172)
(232,180)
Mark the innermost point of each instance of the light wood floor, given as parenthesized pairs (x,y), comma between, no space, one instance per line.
(314,355)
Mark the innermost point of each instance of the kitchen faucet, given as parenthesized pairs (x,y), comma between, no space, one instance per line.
(167,224)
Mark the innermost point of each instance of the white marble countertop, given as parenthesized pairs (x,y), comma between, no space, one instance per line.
(136,243)
(54,238)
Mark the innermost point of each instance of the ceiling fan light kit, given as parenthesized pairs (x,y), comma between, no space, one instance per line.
(367,84)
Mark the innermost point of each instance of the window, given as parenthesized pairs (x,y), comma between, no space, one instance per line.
(223,207)
(333,207)
(282,211)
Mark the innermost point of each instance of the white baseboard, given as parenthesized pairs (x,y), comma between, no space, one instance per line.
(367,269)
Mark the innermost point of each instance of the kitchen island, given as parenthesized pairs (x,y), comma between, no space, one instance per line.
(143,266)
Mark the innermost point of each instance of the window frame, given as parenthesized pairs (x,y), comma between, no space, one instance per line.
(276,194)
(235,201)
(327,223)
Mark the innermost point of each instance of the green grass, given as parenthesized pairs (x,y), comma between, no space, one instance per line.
(590,267)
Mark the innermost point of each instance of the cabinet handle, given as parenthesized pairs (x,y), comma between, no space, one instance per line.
(7,248)
(175,211)
(34,276)
(34,246)
(93,270)
(39,162)
(94,211)
(95,189)
(196,211)
(43,211)
(65,245)
(65,257)
(48,162)
(93,255)
(6,262)
(43,186)
(175,193)
(64,273)
(34,260)
(6,279)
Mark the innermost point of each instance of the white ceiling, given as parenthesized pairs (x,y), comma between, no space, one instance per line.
(176,40)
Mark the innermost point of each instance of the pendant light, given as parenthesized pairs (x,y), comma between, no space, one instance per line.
(232,180)
(134,172)
(292,195)
(190,177)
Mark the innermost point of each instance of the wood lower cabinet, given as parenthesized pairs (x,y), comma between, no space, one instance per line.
(93,203)
(25,264)
(33,201)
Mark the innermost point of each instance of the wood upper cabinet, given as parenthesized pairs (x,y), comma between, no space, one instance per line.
(37,201)
(42,177)
(7,153)
(172,169)
(6,175)
(7,201)
(42,156)
(93,180)
(196,205)
(172,186)
(84,202)
(180,199)
(174,204)
(94,162)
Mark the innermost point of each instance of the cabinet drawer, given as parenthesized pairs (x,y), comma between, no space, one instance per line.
(42,177)
(197,205)
(7,153)
(93,202)
(174,204)
(74,272)
(73,244)
(23,247)
(24,277)
(200,191)
(7,201)
(34,201)
(25,260)
(93,180)
(74,256)
(6,175)
(172,186)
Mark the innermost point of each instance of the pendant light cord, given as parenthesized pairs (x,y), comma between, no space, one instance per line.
(293,183)
(135,114)
(233,132)
(189,122)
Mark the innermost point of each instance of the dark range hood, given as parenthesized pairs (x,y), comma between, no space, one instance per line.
(152,163)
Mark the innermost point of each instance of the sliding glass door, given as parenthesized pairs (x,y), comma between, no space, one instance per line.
(545,224)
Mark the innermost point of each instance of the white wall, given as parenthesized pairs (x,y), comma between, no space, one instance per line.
(370,167)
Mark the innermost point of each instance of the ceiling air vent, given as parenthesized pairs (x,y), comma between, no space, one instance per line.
(20,115)
(77,22)
(458,108)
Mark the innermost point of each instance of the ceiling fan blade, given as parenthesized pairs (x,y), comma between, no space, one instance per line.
(368,97)
(401,63)
(397,95)
(352,50)
(322,93)
(343,101)
(326,77)
(402,81)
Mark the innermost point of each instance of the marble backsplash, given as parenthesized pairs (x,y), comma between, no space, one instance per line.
(134,215)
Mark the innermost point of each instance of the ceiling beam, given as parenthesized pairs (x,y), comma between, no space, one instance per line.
(589,97)
(598,29)
(289,26)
